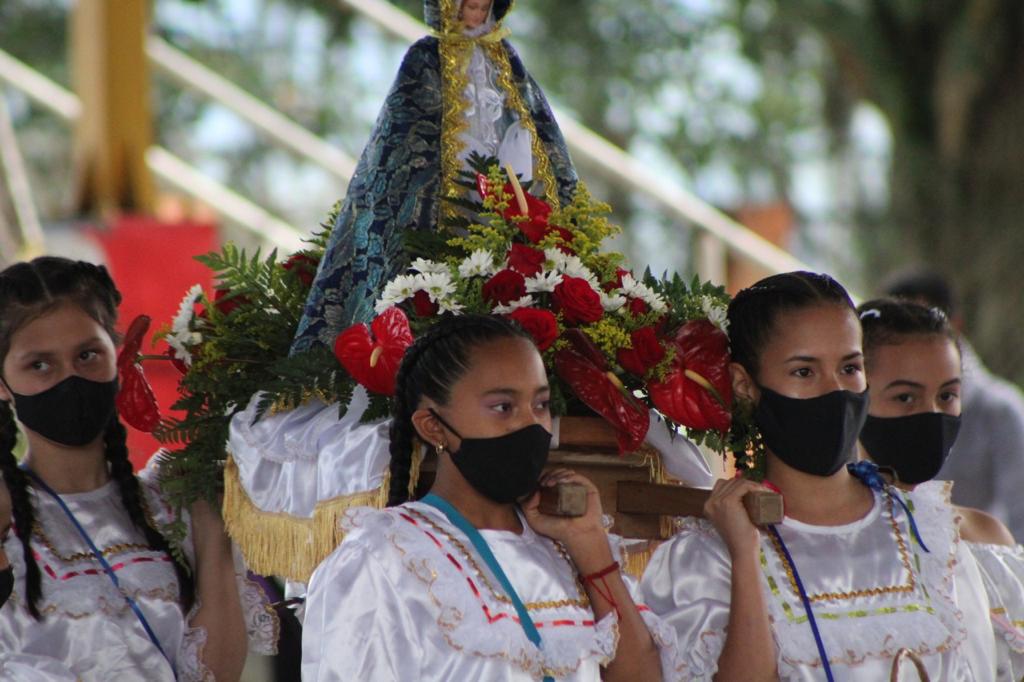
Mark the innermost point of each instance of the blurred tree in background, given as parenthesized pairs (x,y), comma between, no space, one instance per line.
(743,101)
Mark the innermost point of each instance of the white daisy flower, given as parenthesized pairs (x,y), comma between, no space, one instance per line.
(556,258)
(427,267)
(611,302)
(186,310)
(181,351)
(396,291)
(524,302)
(480,263)
(543,281)
(450,305)
(438,285)
(715,312)
(631,287)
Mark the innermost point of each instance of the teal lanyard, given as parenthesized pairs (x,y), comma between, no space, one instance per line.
(460,522)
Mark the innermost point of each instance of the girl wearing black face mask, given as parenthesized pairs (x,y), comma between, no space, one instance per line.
(466,584)
(845,581)
(96,593)
(914,369)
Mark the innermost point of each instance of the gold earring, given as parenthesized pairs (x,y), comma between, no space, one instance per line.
(440,448)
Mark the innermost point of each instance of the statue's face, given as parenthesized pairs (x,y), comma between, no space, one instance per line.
(473,13)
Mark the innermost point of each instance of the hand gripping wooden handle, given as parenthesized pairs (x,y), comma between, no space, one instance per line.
(564,499)
(635,497)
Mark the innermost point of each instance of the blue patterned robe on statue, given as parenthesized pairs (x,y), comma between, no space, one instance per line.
(411,161)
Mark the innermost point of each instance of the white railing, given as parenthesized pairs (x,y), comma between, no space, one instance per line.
(30,241)
(719,233)
(286,132)
(164,165)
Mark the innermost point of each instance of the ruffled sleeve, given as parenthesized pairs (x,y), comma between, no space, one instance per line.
(1002,572)
(687,583)
(661,632)
(353,600)
(261,621)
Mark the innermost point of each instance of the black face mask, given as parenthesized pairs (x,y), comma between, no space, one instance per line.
(913,447)
(73,412)
(812,435)
(505,468)
(6,584)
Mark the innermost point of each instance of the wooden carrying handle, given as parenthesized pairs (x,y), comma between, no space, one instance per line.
(636,497)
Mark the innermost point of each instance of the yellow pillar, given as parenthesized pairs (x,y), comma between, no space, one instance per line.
(110,74)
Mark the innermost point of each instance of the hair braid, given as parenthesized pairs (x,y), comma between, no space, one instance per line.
(432,364)
(134,502)
(23,513)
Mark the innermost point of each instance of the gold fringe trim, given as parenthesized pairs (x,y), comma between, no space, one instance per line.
(455,51)
(637,559)
(542,165)
(275,543)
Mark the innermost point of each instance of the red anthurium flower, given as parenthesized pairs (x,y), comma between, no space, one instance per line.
(135,400)
(422,304)
(373,360)
(645,353)
(504,287)
(304,266)
(533,222)
(697,391)
(584,369)
(526,260)
(540,324)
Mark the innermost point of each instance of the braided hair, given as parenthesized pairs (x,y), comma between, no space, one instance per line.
(429,369)
(29,290)
(754,310)
(889,321)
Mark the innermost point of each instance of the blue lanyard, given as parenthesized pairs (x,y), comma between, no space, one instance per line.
(460,522)
(103,562)
(806,602)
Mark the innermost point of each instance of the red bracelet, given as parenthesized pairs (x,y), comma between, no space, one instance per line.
(611,568)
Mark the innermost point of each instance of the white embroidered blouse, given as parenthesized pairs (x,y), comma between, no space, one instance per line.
(406,597)
(88,631)
(873,591)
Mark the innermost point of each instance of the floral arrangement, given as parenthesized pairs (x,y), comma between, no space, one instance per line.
(614,342)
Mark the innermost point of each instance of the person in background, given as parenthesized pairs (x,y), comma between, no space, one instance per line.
(987,461)
(914,371)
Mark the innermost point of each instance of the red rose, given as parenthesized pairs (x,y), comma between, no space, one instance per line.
(526,260)
(504,287)
(646,352)
(423,306)
(304,267)
(577,301)
(615,283)
(541,325)
(637,307)
(225,302)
